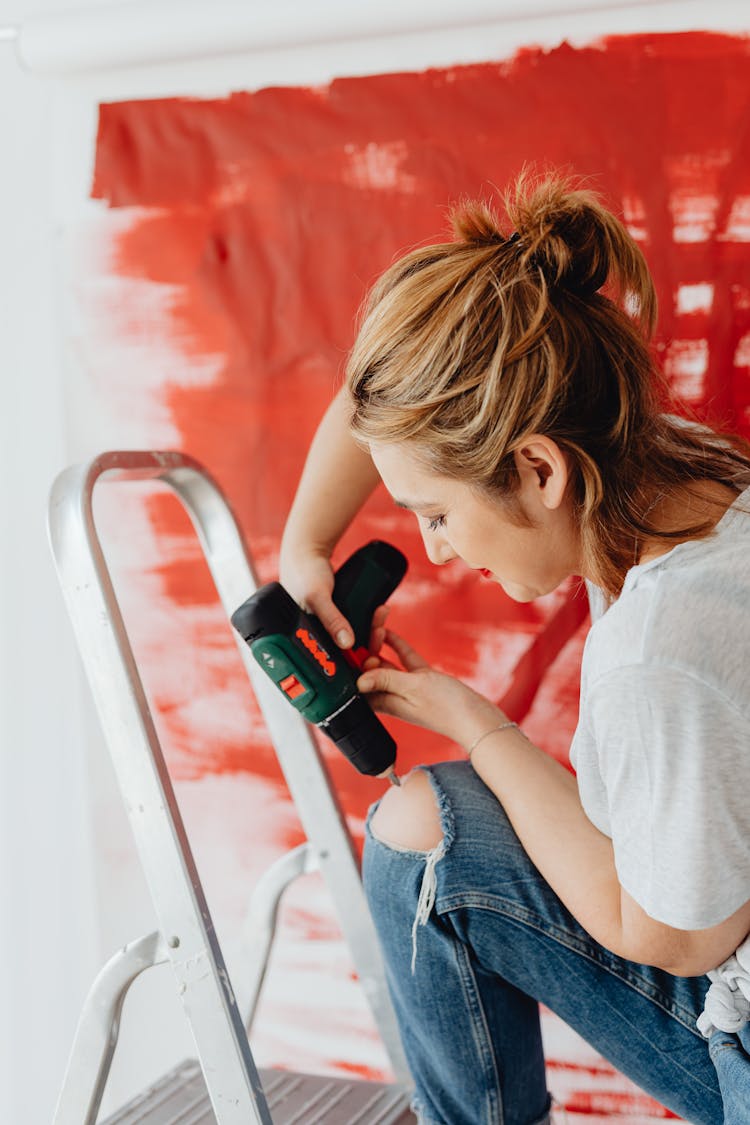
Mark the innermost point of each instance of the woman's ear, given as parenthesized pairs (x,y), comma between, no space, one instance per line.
(544,471)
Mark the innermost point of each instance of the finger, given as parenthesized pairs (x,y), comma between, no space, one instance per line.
(382,702)
(408,656)
(381,662)
(377,640)
(371,662)
(380,614)
(377,628)
(382,679)
(332,618)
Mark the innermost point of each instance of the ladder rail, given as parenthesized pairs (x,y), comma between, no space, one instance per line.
(193,949)
(322,817)
(259,927)
(185,922)
(99,1027)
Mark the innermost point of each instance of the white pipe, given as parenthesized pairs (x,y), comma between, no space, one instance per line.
(165,31)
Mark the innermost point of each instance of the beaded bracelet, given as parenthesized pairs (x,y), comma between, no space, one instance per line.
(493,730)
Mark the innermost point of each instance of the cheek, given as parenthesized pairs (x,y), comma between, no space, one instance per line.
(473,543)
(526,561)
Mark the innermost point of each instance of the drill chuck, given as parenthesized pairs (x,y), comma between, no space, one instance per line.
(360,735)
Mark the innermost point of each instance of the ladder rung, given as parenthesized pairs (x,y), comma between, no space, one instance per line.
(180,1098)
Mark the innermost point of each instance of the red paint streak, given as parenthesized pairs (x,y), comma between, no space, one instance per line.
(530,670)
(269,214)
(614,1103)
(266,216)
(593,1070)
(371,1074)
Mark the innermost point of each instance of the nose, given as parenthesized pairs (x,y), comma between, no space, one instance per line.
(437,548)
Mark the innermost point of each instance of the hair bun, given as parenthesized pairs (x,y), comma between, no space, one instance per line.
(476,224)
(562,230)
(578,244)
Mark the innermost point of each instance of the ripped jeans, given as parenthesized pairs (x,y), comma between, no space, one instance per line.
(495,940)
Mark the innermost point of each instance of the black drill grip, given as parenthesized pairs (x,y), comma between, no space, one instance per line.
(298,654)
(365,581)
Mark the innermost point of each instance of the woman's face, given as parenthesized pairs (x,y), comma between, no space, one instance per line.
(457,522)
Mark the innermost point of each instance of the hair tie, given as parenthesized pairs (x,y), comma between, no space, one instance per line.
(521,248)
(516,241)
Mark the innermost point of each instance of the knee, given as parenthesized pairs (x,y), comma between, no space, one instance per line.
(408,817)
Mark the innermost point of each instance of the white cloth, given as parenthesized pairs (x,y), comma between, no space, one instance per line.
(662,748)
(727,1003)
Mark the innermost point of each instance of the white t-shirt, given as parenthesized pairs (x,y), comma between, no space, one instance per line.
(662,748)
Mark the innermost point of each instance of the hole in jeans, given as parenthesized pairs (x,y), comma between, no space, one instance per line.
(430,808)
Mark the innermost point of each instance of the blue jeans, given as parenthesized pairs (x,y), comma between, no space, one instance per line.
(731,1056)
(497,941)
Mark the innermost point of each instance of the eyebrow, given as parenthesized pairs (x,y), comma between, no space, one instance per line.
(416,505)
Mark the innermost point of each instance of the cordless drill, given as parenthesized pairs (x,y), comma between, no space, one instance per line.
(317,677)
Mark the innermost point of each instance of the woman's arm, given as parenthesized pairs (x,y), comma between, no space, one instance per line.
(541,799)
(542,802)
(337,478)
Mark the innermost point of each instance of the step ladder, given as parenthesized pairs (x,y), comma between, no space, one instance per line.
(223,1084)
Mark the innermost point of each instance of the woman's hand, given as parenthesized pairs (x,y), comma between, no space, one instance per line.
(308,576)
(421,695)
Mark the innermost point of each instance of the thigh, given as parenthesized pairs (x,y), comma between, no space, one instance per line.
(640,1018)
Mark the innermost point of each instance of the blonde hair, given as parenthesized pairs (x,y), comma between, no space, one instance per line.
(468,347)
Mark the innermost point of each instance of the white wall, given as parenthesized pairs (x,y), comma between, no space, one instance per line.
(48,926)
(61,915)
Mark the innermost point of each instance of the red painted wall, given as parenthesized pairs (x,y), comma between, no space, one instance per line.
(266,216)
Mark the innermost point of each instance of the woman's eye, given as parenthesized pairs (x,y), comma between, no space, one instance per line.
(435,523)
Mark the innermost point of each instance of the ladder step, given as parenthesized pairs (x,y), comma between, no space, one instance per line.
(180,1098)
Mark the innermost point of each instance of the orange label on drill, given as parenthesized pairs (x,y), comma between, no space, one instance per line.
(319,653)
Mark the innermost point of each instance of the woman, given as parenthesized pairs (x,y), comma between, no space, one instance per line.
(502,388)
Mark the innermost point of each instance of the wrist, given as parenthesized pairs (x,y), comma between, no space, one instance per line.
(507,724)
(483,717)
(296,546)
(297,537)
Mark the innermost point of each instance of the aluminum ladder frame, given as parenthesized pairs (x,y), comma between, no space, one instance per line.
(186,935)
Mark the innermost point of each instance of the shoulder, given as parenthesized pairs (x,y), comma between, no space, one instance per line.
(688,613)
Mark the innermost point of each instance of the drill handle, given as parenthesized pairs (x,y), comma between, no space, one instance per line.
(365,581)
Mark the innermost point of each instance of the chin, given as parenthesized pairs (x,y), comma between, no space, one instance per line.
(520,593)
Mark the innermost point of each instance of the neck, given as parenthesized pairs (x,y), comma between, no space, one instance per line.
(697,505)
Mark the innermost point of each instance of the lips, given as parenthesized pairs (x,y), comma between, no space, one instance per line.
(485,573)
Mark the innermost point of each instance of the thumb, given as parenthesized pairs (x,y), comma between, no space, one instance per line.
(380,679)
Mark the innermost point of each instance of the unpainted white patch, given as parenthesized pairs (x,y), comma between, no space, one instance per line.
(738,223)
(632,304)
(742,353)
(634,217)
(379,167)
(694,298)
(496,655)
(694,181)
(740,297)
(235,183)
(126,345)
(693,216)
(685,365)
(188,652)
